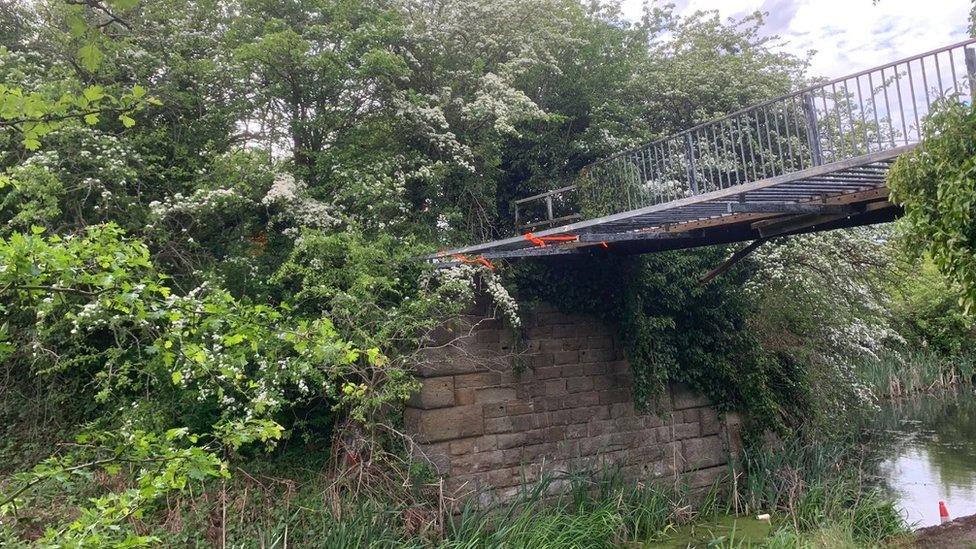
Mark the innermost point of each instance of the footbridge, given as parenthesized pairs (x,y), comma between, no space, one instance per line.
(813,160)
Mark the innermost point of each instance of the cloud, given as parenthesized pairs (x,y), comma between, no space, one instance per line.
(781,14)
(847,35)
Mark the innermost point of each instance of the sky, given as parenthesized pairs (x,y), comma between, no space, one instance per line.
(848,35)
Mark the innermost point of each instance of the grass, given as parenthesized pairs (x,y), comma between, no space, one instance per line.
(578,510)
(595,511)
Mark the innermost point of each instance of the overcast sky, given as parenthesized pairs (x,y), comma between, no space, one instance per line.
(848,35)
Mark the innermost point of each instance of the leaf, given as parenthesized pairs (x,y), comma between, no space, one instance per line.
(91,56)
(176,432)
(91,119)
(126,120)
(138,91)
(94,93)
(177,377)
(31,143)
(76,25)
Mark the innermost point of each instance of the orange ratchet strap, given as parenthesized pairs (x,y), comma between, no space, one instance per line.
(480,260)
(541,241)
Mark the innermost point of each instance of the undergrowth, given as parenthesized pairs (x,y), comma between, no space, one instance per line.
(816,499)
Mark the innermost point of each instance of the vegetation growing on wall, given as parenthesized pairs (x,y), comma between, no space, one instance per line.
(676,329)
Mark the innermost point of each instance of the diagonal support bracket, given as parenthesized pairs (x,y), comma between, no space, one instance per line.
(732,260)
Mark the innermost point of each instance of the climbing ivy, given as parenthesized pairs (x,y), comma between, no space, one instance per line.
(676,329)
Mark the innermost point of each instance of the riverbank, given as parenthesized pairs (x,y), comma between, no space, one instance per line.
(960,532)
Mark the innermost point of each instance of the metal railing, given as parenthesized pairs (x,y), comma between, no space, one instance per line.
(867,112)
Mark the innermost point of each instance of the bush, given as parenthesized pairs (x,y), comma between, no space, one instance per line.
(936,185)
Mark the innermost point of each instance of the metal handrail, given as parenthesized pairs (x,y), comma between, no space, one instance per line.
(868,111)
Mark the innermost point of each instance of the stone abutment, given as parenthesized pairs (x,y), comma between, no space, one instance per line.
(494,415)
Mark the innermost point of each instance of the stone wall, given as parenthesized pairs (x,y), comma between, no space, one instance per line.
(492,414)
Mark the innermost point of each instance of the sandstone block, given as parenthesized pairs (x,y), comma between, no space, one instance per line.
(435,392)
(446,423)
(554,387)
(596,355)
(684,397)
(498,425)
(548,372)
(477,380)
(577,384)
(540,360)
(519,407)
(613,396)
(705,452)
(710,422)
(704,478)
(623,409)
(510,440)
(464,397)
(576,431)
(494,394)
(566,357)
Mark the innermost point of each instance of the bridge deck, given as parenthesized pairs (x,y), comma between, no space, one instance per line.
(813,160)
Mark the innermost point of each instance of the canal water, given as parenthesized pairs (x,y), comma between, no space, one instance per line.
(927,449)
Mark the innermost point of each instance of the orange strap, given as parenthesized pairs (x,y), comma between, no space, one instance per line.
(480,260)
(541,241)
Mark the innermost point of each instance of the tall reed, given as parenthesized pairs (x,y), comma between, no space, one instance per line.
(819,485)
(896,375)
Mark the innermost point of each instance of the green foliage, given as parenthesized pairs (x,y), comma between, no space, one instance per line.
(936,185)
(94,306)
(209,218)
(927,309)
(368,287)
(597,509)
(34,113)
(158,465)
(95,303)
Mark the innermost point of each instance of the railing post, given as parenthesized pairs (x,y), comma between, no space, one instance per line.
(549,215)
(971,71)
(690,157)
(813,130)
(515,207)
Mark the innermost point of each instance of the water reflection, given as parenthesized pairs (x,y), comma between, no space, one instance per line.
(927,447)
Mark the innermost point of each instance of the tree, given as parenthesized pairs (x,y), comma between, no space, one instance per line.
(936,185)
